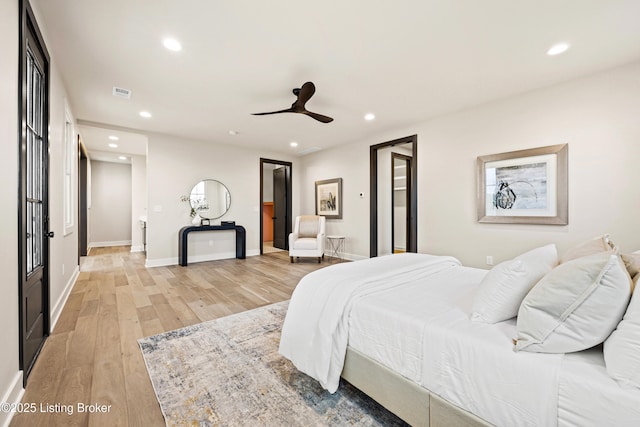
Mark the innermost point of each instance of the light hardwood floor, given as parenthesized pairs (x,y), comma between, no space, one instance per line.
(92,356)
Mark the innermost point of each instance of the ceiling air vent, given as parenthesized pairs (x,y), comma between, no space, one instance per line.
(309,151)
(121,93)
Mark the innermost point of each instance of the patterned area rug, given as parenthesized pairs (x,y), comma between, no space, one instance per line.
(227,372)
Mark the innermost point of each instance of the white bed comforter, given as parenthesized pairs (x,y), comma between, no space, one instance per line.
(315,331)
(364,304)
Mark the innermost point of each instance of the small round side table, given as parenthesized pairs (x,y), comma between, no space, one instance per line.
(336,246)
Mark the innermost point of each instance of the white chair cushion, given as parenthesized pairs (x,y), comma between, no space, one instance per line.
(305,243)
(309,226)
(575,306)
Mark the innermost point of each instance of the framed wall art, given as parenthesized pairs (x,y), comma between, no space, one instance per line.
(524,187)
(329,198)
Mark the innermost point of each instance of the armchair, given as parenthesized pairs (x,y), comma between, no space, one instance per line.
(307,239)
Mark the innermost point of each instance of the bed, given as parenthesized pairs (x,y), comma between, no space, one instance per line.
(399,328)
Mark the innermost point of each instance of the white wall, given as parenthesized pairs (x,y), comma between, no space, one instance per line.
(10,378)
(63,249)
(64,267)
(138,200)
(267,182)
(111,198)
(597,116)
(351,163)
(189,162)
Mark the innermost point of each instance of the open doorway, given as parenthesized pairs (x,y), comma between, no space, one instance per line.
(400,202)
(276,206)
(385,237)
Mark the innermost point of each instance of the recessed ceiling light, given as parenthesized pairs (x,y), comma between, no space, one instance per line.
(113,137)
(172,44)
(293,144)
(112,145)
(557,49)
(122,158)
(233,132)
(369,116)
(145,114)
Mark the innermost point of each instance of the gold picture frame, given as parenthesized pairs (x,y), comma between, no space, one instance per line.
(524,186)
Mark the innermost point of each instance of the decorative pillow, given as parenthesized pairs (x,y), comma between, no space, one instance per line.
(590,247)
(308,226)
(622,348)
(504,287)
(575,306)
(632,263)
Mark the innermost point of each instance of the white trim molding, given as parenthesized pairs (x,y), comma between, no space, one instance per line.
(13,394)
(59,305)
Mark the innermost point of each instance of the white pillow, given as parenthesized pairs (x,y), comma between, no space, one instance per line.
(575,306)
(502,290)
(622,348)
(590,247)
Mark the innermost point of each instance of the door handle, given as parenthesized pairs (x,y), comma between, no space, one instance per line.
(274,217)
(49,234)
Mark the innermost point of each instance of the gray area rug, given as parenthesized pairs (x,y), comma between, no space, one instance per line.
(227,372)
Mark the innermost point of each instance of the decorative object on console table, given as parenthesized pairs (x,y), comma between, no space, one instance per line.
(329,198)
(524,187)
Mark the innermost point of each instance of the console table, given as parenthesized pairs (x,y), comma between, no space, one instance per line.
(241,239)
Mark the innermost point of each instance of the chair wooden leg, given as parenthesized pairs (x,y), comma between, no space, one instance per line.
(291,259)
(319,259)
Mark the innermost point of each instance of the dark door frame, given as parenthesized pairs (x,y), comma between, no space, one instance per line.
(373,189)
(288,222)
(82,200)
(395,156)
(30,33)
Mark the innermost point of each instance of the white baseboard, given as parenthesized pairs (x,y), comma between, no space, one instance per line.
(161,262)
(108,244)
(59,305)
(137,248)
(353,257)
(13,394)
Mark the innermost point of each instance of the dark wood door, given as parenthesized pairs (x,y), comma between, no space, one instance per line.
(280,208)
(34,186)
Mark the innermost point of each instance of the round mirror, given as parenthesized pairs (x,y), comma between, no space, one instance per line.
(210,199)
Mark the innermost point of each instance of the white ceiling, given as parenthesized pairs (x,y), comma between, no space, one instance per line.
(405,61)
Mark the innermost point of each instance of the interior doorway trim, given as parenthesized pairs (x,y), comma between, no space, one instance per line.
(373,190)
(289,206)
(83,244)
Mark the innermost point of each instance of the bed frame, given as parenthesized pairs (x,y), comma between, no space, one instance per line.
(409,401)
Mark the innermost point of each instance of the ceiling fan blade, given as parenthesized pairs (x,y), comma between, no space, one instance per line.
(288,110)
(304,94)
(318,117)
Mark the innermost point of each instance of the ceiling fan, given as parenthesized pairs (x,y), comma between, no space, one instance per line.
(304,94)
